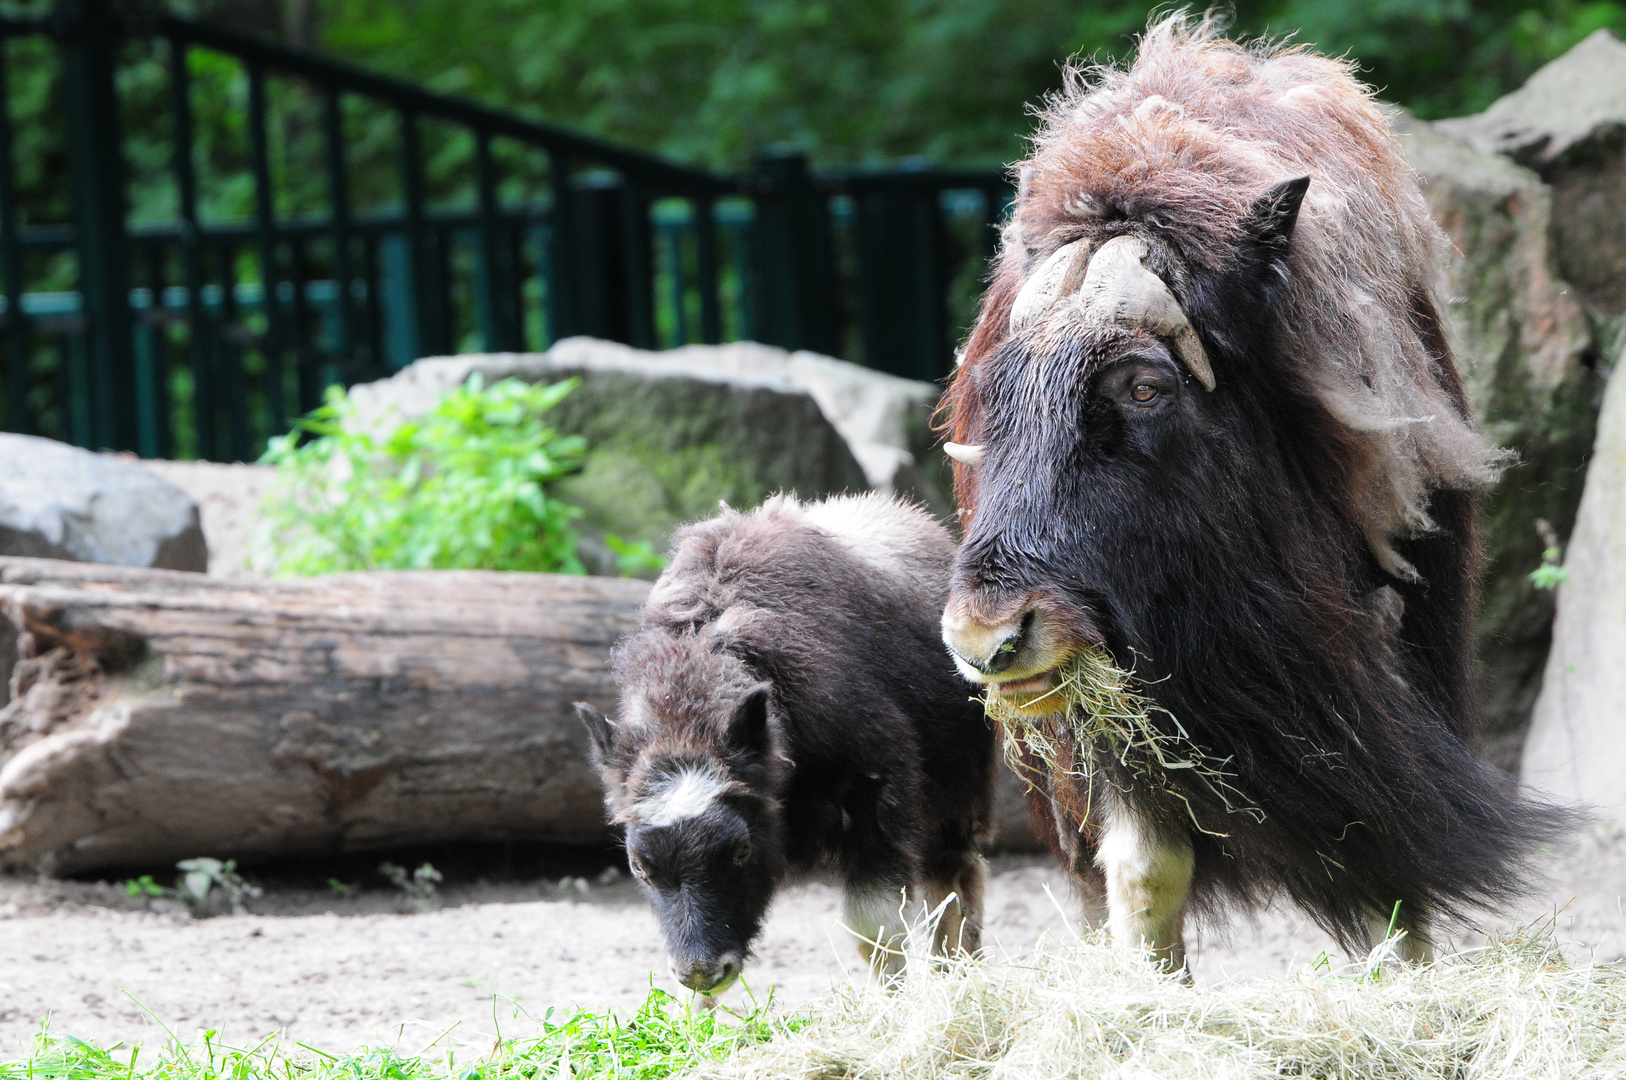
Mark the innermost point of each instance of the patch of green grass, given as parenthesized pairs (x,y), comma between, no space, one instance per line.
(665,1037)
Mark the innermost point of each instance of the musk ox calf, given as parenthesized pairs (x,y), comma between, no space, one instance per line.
(786,708)
(1217,474)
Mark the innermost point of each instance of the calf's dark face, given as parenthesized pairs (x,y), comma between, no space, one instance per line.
(700,837)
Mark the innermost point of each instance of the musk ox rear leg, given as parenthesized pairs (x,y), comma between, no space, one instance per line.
(1148,872)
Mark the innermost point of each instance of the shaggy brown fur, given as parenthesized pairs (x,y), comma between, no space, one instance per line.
(1283,555)
(1184,141)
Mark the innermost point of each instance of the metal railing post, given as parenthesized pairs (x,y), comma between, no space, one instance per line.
(338,193)
(18,382)
(705,246)
(638,265)
(421,297)
(95,160)
(265,239)
(903,307)
(597,273)
(199,341)
(494,286)
(561,292)
(796,299)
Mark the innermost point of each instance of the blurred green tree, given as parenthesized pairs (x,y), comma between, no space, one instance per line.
(856,81)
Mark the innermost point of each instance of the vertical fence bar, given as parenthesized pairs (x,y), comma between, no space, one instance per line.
(494,282)
(314,375)
(420,334)
(677,281)
(338,188)
(561,291)
(234,378)
(638,259)
(11,265)
(265,239)
(199,338)
(796,302)
(705,243)
(152,361)
(96,163)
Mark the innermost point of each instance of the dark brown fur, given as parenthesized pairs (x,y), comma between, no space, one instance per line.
(1287,560)
(792,653)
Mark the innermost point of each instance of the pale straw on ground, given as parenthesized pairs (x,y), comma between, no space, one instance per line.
(1088,1009)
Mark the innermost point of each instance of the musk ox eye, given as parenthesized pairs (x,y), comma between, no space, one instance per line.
(1144,393)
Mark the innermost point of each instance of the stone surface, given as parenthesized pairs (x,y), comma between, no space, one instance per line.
(1577,744)
(1568,123)
(60,502)
(228,496)
(1529,354)
(672,433)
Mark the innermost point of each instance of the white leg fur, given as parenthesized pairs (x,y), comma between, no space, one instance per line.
(1410,949)
(877,918)
(1148,879)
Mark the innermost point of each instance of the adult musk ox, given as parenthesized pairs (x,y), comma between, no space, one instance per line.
(786,707)
(1210,432)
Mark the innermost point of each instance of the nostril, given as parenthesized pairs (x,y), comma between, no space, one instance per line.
(1006,654)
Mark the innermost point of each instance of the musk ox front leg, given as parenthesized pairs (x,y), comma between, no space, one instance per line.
(960,873)
(1148,870)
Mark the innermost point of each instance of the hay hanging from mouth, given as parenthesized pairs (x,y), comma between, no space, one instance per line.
(1108,716)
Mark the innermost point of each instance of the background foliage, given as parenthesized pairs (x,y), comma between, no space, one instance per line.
(709,81)
(463,487)
(712,81)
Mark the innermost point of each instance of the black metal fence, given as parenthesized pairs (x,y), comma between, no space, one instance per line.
(200,333)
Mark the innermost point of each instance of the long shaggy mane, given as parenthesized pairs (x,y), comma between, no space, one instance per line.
(1184,139)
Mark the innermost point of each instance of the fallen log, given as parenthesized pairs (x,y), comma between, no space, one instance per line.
(158,715)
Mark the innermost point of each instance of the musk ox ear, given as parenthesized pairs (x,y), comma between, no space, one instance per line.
(601,728)
(748,727)
(1271,219)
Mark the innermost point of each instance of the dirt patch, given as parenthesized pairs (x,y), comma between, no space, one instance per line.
(336,971)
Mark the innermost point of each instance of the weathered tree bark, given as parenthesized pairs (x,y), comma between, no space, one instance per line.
(158,715)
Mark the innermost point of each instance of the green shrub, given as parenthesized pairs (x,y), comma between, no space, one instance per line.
(461,488)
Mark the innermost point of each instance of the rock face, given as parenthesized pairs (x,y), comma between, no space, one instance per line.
(1529,354)
(228,497)
(1577,739)
(60,502)
(1533,195)
(672,433)
(1568,123)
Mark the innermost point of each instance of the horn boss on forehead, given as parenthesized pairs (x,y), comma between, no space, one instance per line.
(1116,289)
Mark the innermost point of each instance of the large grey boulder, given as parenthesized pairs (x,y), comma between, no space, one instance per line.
(1577,744)
(1568,124)
(228,497)
(1528,352)
(60,502)
(674,432)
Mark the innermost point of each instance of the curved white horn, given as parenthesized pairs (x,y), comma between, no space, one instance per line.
(1046,283)
(1118,288)
(965,455)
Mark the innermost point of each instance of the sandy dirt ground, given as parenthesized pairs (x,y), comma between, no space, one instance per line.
(339,971)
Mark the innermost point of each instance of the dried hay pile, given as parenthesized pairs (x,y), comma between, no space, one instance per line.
(1518,1008)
